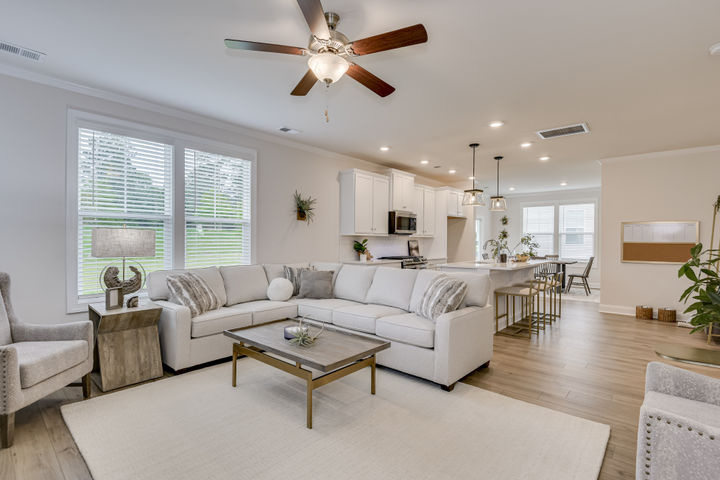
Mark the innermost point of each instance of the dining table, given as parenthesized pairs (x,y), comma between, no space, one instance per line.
(561,264)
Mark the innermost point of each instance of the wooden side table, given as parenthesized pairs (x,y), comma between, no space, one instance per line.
(127,349)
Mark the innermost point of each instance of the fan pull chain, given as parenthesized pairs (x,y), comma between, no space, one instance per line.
(327,108)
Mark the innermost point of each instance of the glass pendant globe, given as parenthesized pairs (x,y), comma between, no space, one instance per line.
(328,67)
(498,204)
(473,198)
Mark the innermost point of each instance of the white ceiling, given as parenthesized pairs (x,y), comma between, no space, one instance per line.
(638,72)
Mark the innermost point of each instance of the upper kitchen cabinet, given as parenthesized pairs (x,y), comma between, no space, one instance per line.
(454,203)
(364,203)
(425,209)
(402,191)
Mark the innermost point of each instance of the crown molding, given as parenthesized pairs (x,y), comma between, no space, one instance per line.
(664,153)
(127,100)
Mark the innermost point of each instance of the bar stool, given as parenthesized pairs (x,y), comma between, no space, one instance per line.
(531,319)
(551,290)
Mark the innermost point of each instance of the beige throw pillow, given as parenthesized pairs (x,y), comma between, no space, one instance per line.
(445,294)
(190,290)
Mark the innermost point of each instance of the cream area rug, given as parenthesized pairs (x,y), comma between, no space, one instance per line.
(196,426)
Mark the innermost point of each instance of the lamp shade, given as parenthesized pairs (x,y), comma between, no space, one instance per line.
(328,67)
(123,242)
(474,198)
(498,204)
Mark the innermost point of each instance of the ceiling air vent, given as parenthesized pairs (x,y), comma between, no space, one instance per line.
(289,130)
(21,51)
(563,131)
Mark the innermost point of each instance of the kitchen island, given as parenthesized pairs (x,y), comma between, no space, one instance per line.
(501,275)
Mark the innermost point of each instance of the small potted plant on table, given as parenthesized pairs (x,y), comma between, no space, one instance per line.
(362,251)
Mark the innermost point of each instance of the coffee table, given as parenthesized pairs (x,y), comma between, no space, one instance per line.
(335,354)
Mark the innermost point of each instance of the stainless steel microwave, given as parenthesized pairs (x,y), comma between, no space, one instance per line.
(402,223)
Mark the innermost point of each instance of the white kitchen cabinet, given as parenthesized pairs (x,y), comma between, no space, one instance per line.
(364,203)
(454,203)
(425,210)
(402,191)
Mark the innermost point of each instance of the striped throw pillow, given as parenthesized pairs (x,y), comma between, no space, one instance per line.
(293,274)
(445,294)
(190,290)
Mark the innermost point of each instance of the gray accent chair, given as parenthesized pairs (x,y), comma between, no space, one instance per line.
(679,427)
(37,360)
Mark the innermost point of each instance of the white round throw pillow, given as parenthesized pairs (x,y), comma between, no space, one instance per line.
(280,290)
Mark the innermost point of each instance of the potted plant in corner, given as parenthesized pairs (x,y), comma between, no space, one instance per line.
(702,271)
(305,207)
(361,249)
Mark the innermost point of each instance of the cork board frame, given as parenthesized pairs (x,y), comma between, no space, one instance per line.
(667,242)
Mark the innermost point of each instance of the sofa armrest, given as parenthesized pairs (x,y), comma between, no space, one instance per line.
(463,342)
(677,382)
(10,395)
(25,332)
(175,329)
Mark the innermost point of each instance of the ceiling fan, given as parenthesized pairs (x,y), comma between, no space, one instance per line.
(330,50)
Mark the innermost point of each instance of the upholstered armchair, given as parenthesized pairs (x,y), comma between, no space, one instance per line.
(679,428)
(36,360)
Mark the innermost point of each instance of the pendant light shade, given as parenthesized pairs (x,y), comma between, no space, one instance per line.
(474,196)
(498,203)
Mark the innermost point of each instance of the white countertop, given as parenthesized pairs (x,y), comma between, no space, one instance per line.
(370,262)
(505,267)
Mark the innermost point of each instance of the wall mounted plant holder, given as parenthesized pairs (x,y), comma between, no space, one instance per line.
(304,207)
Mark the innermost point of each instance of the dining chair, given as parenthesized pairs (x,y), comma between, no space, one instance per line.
(582,276)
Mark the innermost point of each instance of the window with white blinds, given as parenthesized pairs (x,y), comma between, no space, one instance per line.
(121,181)
(218,193)
(577,231)
(539,221)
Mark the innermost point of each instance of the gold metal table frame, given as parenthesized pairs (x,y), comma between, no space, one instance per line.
(240,349)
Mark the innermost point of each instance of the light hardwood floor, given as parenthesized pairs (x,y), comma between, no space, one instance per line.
(588,364)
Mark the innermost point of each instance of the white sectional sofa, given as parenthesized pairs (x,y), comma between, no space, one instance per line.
(368,300)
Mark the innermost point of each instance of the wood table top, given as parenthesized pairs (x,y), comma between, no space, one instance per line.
(332,350)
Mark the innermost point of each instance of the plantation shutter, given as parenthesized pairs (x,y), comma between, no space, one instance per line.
(122,181)
(217,209)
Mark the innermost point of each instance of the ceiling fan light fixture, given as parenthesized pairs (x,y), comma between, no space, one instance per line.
(328,67)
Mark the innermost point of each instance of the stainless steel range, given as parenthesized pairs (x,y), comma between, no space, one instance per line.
(409,261)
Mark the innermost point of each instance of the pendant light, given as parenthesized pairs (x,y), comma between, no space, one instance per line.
(474,196)
(498,203)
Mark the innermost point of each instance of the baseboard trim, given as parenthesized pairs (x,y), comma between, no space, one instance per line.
(616,309)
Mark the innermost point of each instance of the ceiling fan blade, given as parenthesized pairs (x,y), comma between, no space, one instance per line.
(372,82)
(263,47)
(305,84)
(387,41)
(315,17)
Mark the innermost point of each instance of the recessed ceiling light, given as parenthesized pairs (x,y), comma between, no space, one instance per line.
(384,148)
(496,124)
(424,162)
(526,145)
(452,171)
(563,184)
(544,159)
(471,178)
(512,189)
(715,49)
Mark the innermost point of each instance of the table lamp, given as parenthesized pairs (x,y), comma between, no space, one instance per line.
(122,243)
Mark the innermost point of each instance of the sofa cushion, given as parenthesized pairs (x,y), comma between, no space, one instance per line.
(39,361)
(316,284)
(392,287)
(423,281)
(328,266)
(275,270)
(244,283)
(293,274)
(478,288)
(280,289)
(407,328)
(190,290)
(445,294)
(362,317)
(157,282)
(216,321)
(320,309)
(353,282)
(264,311)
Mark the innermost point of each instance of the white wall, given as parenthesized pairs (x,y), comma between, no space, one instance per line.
(33,120)
(677,185)
(514,212)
